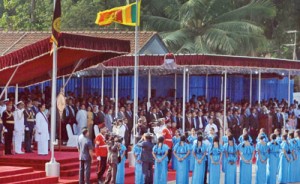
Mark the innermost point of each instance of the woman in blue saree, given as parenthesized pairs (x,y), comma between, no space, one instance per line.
(191,140)
(160,153)
(284,161)
(272,163)
(199,153)
(215,155)
(181,152)
(225,141)
(297,153)
(262,154)
(175,140)
(230,152)
(138,174)
(121,166)
(293,164)
(246,151)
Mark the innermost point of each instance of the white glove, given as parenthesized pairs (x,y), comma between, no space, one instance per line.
(27,129)
(99,158)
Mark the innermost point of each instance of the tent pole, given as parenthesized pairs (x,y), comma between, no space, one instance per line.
(82,87)
(183,99)
(250,90)
(206,86)
(224,100)
(112,84)
(117,93)
(102,87)
(16,94)
(259,87)
(6,92)
(289,88)
(175,86)
(188,87)
(7,84)
(222,86)
(149,90)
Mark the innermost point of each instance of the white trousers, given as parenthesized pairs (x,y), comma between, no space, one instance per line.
(18,135)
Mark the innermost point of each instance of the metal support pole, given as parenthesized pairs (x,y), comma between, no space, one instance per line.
(102,87)
(149,90)
(188,87)
(206,86)
(222,87)
(82,87)
(250,90)
(4,91)
(112,84)
(289,88)
(183,99)
(17,94)
(225,97)
(117,93)
(259,87)
(175,86)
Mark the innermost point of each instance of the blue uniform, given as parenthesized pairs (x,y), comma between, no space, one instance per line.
(225,140)
(121,167)
(139,177)
(175,140)
(265,138)
(199,169)
(214,169)
(284,164)
(191,140)
(272,165)
(230,164)
(241,139)
(182,177)
(297,153)
(261,167)
(293,163)
(245,168)
(161,168)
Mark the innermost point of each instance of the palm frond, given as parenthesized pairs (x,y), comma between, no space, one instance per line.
(176,39)
(160,23)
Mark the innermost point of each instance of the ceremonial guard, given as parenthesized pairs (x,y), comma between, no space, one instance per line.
(29,122)
(8,122)
(167,134)
(101,152)
(19,127)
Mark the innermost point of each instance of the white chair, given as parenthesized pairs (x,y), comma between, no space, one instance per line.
(96,130)
(72,139)
(75,129)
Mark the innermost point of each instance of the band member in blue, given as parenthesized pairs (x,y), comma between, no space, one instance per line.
(191,140)
(199,153)
(285,159)
(230,152)
(225,141)
(160,153)
(121,166)
(181,152)
(139,177)
(215,155)
(246,151)
(297,153)
(175,140)
(272,164)
(262,154)
(293,164)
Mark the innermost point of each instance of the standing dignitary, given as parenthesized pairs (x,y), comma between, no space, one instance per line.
(85,148)
(8,122)
(42,132)
(101,152)
(19,127)
(29,122)
(109,120)
(147,157)
(81,118)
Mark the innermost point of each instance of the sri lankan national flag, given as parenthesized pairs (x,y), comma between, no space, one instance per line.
(56,23)
(125,15)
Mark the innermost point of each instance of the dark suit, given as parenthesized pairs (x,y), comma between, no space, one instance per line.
(245,121)
(29,125)
(112,160)
(253,122)
(195,122)
(179,122)
(129,117)
(188,124)
(147,159)
(277,120)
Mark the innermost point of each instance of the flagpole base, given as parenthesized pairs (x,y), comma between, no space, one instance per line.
(52,169)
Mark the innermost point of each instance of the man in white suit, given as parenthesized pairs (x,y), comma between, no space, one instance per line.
(19,127)
(81,118)
(109,120)
(42,131)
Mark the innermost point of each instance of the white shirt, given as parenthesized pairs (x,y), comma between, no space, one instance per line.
(19,120)
(119,130)
(209,126)
(2,109)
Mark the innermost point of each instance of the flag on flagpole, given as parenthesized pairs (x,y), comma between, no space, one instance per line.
(56,23)
(125,15)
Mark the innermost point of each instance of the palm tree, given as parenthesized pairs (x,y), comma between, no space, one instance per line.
(209,26)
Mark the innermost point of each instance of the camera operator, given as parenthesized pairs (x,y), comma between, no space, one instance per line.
(141,129)
(101,152)
(147,157)
(119,129)
(113,160)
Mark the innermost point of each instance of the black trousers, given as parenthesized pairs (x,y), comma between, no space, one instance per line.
(101,167)
(84,172)
(205,173)
(28,140)
(8,141)
(148,172)
(169,155)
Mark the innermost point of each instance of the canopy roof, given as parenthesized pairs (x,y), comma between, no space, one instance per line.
(35,62)
(197,64)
